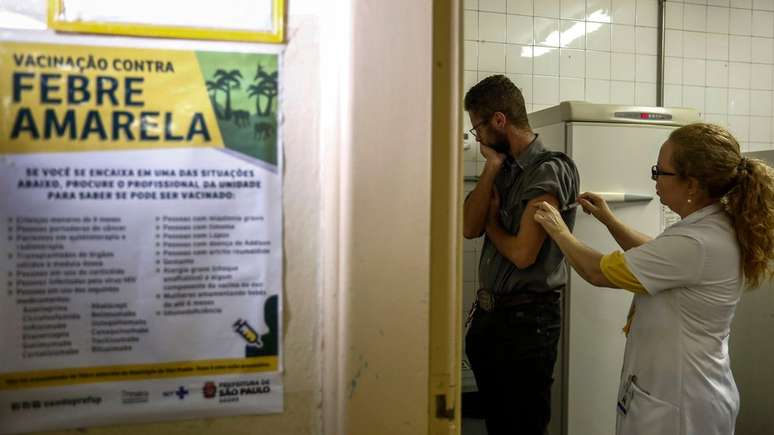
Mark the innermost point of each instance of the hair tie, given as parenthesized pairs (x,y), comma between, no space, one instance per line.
(743,165)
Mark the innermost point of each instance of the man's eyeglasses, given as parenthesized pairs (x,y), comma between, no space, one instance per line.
(474,130)
(655,172)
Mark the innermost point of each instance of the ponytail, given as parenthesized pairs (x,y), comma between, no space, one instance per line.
(750,203)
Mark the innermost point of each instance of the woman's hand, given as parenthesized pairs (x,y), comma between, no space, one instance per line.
(594,205)
(550,219)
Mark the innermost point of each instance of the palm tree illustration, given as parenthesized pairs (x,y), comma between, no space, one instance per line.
(229,80)
(265,85)
(213,88)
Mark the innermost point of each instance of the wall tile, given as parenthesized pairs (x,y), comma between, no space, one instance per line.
(673,96)
(547,8)
(470,78)
(762,50)
(717,73)
(598,65)
(622,38)
(739,48)
(491,27)
(763,24)
(760,129)
(572,89)
(524,83)
(622,66)
(546,31)
(721,3)
(693,96)
(598,91)
(572,34)
(738,102)
(742,4)
(695,17)
(673,70)
(716,100)
(471,4)
(674,15)
(520,30)
(598,10)
(694,72)
(470,30)
(717,119)
(717,46)
(518,59)
(674,43)
(545,90)
(646,67)
(646,40)
(717,19)
(645,94)
(647,13)
(572,9)
(739,127)
(622,93)
(739,75)
(521,7)
(491,57)
(740,22)
(763,5)
(470,55)
(491,5)
(760,103)
(695,44)
(598,36)
(760,76)
(546,61)
(572,63)
(623,11)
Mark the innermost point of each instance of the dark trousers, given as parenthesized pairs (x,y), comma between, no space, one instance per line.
(512,351)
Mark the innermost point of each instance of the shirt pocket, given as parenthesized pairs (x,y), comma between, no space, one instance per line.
(648,415)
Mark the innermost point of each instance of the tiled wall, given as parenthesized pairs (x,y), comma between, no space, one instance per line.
(719,59)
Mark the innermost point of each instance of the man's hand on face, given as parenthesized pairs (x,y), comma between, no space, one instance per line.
(492,157)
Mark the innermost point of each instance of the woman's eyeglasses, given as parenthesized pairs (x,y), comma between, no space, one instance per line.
(655,172)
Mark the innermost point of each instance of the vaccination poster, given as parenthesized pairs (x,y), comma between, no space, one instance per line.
(140,235)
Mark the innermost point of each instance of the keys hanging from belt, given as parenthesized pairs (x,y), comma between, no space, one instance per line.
(471,313)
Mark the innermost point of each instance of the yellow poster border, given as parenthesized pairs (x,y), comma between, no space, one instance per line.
(136,372)
(55,8)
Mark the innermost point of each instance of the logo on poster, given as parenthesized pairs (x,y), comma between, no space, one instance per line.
(209,390)
(181,392)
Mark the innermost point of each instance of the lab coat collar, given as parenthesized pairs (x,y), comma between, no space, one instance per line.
(701,214)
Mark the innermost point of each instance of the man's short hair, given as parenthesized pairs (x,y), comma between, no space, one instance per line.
(497,94)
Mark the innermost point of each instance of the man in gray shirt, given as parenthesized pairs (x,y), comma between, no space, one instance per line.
(512,339)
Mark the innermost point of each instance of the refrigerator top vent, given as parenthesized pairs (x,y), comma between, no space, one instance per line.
(568,111)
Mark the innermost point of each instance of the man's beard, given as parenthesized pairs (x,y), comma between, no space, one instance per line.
(501,145)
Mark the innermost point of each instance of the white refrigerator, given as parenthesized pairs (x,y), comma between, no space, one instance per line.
(614,148)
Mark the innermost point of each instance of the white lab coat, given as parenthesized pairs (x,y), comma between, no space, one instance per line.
(676,377)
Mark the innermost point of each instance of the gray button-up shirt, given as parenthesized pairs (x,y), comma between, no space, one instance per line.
(535,172)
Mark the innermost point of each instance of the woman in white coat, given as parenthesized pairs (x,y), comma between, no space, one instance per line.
(676,377)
